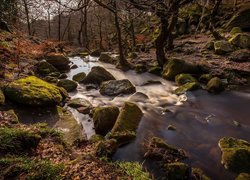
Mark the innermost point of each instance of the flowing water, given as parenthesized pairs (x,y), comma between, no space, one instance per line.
(200,118)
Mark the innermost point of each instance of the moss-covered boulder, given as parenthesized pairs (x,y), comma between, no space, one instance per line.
(82,105)
(140,68)
(222,47)
(241,19)
(235,154)
(11,115)
(242,55)
(95,53)
(181,79)
(106,148)
(104,119)
(235,30)
(117,87)
(129,118)
(106,58)
(2,97)
(79,77)
(156,70)
(72,130)
(215,85)
(17,141)
(177,66)
(187,87)
(58,60)
(243,176)
(210,45)
(204,78)
(50,79)
(45,68)
(35,92)
(67,84)
(198,174)
(97,75)
(123,137)
(241,40)
(177,171)
(96,138)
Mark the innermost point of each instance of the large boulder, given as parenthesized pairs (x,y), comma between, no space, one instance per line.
(241,40)
(97,75)
(58,60)
(104,119)
(79,77)
(106,58)
(96,53)
(189,86)
(177,171)
(129,118)
(242,55)
(181,79)
(67,84)
(45,68)
(2,97)
(35,92)
(117,87)
(222,47)
(241,19)
(235,154)
(177,66)
(215,85)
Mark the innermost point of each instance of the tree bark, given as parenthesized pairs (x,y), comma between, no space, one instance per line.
(27,16)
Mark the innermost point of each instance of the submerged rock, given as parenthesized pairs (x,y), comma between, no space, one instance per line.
(58,60)
(35,92)
(67,84)
(104,119)
(235,154)
(129,118)
(187,87)
(97,75)
(177,66)
(2,97)
(182,79)
(79,77)
(45,68)
(222,47)
(177,171)
(215,85)
(117,87)
(241,40)
(242,55)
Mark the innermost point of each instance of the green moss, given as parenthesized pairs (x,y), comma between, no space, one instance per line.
(12,115)
(187,87)
(177,66)
(106,148)
(67,84)
(104,119)
(79,77)
(134,170)
(140,68)
(96,138)
(123,137)
(160,143)
(241,40)
(2,97)
(199,174)
(182,79)
(215,85)
(204,78)
(17,140)
(210,45)
(177,171)
(128,119)
(222,47)
(243,176)
(235,30)
(17,167)
(51,79)
(33,91)
(45,68)
(235,154)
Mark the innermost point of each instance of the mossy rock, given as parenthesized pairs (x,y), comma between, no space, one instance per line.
(132,55)
(96,138)
(96,53)
(97,75)
(242,55)
(45,68)
(67,84)
(79,77)
(156,70)
(223,47)
(182,79)
(83,54)
(63,76)
(17,141)
(187,87)
(204,78)
(2,97)
(55,74)
(12,116)
(129,118)
(106,148)
(241,20)
(198,174)
(117,87)
(177,66)
(243,176)
(58,60)
(79,102)
(106,58)
(235,30)
(140,68)
(51,79)
(235,154)
(72,130)
(215,85)
(210,45)
(35,92)
(104,119)
(20,167)
(241,40)
(177,171)
(123,137)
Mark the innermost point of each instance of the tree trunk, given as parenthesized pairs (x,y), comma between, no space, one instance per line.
(27,16)
(171,27)
(49,26)
(86,25)
(59,21)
